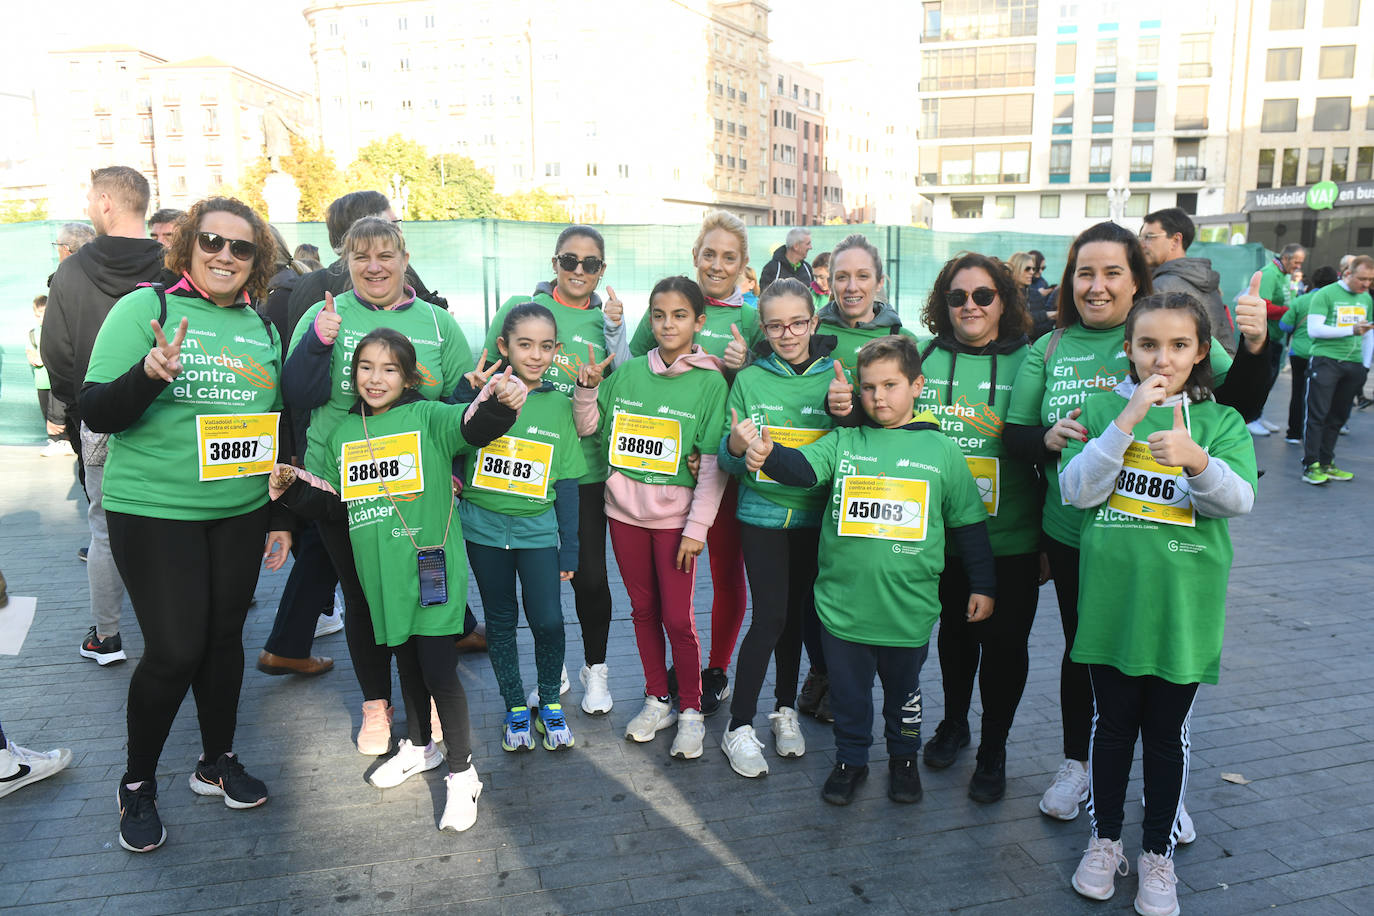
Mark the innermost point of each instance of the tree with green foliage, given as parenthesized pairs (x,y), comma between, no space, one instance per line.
(437,187)
(537,206)
(23,211)
(317,178)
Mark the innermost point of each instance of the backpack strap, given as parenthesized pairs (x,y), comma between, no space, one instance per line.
(162,311)
(1054,342)
(930,348)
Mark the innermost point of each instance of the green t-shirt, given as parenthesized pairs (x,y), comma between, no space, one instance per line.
(515,474)
(851,340)
(440,349)
(650,422)
(1339,307)
(1152,596)
(231,365)
(714,336)
(1274,287)
(793,407)
(1086,360)
(1299,342)
(892,494)
(974,420)
(384,554)
(581,336)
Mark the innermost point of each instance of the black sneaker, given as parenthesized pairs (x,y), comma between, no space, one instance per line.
(715,687)
(672,686)
(823,713)
(105,651)
(81,554)
(140,829)
(905,783)
(844,779)
(941,750)
(1363,402)
(815,687)
(989,782)
(226,777)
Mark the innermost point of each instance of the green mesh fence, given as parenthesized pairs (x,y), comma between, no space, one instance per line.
(478,264)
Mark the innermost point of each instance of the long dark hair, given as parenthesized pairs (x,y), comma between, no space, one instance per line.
(1200,383)
(1015,320)
(1135,259)
(688,289)
(401,350)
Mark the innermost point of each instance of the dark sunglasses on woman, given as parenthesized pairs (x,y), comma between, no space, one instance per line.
(591,263)
(211,243)
(982,296)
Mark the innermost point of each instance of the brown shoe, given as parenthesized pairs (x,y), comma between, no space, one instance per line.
(275,664)
(476,641)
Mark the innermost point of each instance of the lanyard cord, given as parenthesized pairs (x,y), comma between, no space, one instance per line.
(387,493)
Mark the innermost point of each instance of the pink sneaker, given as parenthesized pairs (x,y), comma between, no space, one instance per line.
(374,738)
(1158,893)
(1101,863)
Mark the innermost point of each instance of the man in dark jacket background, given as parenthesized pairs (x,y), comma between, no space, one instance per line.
(789,260)
(83,290)
(1166,237)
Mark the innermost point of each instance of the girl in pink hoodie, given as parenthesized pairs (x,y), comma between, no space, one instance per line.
(652,414)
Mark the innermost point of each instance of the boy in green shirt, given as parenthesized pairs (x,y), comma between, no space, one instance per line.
(898,487)
(1337,319)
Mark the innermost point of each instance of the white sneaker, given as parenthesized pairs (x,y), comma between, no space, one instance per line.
(596,691)
(787,736)
(1157,894)
(691,731)
(652,719)
(329,624)
(1097,871)
(1186,832)
(744,751)
(57,448)
(563,687)
(20,766)
(1257,428)
(1067,792)
(1272,427)
(460,811)
(407,761)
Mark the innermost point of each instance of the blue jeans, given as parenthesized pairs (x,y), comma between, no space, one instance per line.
(852,666)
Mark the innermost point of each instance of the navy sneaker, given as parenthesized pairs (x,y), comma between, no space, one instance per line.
(844,779)
(140,829)
(226,777)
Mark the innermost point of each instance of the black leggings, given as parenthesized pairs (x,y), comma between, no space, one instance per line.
(1158,711)
(309,592)
(428,666)
(591,588)
(371,662)
(1075,689)
(781,565)
(1000,641)
(190,584)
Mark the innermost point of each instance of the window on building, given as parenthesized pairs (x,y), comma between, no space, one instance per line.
(1287,14)
(1332,113)
(1340,163)
(429,22)
(1337,62)
(1289,177)
(1060,157)
(179,184)
(1364,163)
(1145,102)
(1049,206)
(365,106)
(1063,113)
(402,24)
(1369,114)
(145,126)
(553,169)
(1142,159)
(1065,59)
(966,207)
(1096,206)
(1195,56)
(1279,115)
(1282,64)
(407,107)
(1004,206)
(1100,160)
(1137,205)
(333,30)
(1187,202)
(1104,65)
(1316,164)
(1187,156)
(210,120)
(1340,13)
(1104,104)
(1191,110)
(977,116)
(173,120)
(1146,57)
(106,130)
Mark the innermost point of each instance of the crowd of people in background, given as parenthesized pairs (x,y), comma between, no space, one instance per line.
(861,484)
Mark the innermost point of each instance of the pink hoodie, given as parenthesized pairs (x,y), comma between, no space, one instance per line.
(693,509)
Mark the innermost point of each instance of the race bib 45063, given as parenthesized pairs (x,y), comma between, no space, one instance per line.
(374,467)
(890,508)
(236,445)
(511,465)
(645,443)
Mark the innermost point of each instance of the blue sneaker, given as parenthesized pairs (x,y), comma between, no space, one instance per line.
(518,737)
(554,727)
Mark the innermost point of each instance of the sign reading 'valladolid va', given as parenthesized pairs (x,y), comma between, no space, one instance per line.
(1324,195)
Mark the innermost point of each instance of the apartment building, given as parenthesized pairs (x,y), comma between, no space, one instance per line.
(795,146)
(631,110)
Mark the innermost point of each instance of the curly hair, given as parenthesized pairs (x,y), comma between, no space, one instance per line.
(184,241)
(1015,319)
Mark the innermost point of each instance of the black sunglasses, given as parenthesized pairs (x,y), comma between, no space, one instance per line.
(211,243)
(591,263)
(982,296)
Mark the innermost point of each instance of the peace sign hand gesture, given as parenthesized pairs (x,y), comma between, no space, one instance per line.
(589,374)
(164,359)
(478,377)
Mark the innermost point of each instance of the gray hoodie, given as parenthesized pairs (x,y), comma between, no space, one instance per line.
(1196,276)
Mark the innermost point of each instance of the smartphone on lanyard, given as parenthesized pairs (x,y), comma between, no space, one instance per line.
(433,570)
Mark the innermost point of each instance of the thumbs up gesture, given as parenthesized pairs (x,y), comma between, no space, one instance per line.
(613,310)
(589,374)
(1175,447)
(737,350)
(742,432)
(839,399)
(508,390)
(759,450)
(327,321)
(1251,315)
(164,359)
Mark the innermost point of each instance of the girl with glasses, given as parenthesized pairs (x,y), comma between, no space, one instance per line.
(185,492)
(783,391)
(590,329)
(978,316)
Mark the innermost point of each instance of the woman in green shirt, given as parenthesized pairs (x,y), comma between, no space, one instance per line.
(854,313)
(196,429)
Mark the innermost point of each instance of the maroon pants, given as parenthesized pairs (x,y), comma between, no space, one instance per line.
(660,601)
(727,578)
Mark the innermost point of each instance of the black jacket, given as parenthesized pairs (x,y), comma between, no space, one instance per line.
(780,267)
(83,290)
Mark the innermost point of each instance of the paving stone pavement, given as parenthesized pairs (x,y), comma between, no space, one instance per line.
(614,826)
